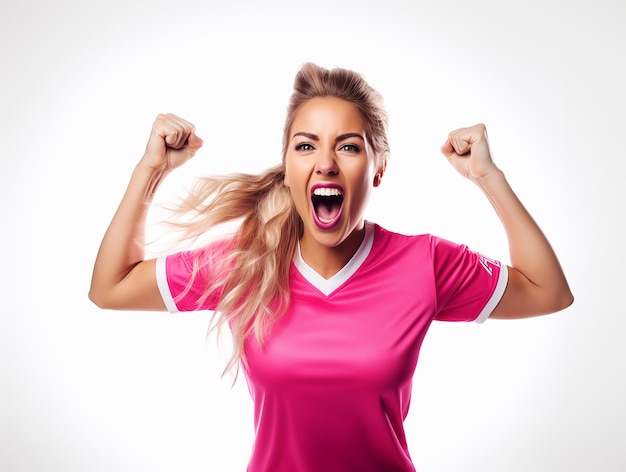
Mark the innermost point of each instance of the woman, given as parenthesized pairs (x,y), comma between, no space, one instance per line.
(327,311)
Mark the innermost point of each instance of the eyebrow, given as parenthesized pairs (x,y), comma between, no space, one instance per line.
(341,137)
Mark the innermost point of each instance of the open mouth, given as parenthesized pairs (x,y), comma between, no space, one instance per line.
(327,205)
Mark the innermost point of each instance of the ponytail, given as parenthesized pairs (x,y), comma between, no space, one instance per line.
(255,289)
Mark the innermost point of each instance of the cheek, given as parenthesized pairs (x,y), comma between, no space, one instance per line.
(362,188)
(293,181)
(366,177)
(295,173)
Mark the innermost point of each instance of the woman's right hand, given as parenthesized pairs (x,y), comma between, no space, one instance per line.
(172,142)
(122,278)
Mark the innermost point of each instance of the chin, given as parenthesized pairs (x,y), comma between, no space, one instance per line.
(329,237)
(333,236)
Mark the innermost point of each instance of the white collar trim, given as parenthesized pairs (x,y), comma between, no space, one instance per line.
(327,286)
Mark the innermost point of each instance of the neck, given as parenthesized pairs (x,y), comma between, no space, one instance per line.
(327,261)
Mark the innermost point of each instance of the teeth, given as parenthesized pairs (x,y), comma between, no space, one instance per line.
(326,192)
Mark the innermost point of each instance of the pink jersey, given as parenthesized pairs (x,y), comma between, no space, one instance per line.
(332,384)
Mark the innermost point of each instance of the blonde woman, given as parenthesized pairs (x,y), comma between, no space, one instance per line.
(327,311)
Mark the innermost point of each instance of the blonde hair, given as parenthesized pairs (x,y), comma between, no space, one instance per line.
(254,291)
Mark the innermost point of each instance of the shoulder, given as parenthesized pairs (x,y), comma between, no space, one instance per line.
(410,248)
(422,248)
(199,257)
(383,236)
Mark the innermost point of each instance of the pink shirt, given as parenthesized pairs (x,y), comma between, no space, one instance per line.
(332,384)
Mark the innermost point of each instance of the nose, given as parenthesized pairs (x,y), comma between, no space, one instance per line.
(327,163)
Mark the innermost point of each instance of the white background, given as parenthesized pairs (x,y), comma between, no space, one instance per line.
(82,389)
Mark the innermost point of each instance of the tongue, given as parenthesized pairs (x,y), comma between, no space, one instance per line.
(327,211)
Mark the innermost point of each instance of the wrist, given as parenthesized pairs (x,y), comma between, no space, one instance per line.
(494,177)
(148,178)
(146,169)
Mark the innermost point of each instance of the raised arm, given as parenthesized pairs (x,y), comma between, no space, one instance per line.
(537,284)
(121,278)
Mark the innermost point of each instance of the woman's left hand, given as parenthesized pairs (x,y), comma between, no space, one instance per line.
(536,283)
(467,149)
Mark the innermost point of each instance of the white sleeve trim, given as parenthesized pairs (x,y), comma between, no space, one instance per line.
(503,279)
(164,288)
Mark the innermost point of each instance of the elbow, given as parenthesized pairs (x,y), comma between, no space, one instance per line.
(568,299)
(99,298)
(555,297)
(96,298)
(563,300)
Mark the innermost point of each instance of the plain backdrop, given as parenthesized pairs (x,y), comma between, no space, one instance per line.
(83,389)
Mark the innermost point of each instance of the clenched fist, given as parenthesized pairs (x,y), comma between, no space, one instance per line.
(467,149)
(172,142)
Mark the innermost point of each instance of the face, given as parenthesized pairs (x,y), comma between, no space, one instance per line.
(330,171)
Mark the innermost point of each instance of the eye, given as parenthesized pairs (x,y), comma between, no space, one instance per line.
(350,148)
(304,147)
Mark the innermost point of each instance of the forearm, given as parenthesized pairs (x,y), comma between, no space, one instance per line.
(531,255)
(123,245)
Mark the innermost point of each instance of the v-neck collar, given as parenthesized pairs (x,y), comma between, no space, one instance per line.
(328,286)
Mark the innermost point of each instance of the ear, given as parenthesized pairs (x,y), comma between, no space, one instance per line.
(379,173)
(286,180)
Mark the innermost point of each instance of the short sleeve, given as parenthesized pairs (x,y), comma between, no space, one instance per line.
(184,278)
(468,284)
